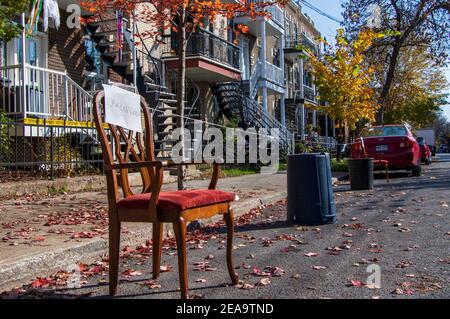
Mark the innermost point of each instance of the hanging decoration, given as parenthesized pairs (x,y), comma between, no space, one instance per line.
(119,37)
(51,10)
(34,17)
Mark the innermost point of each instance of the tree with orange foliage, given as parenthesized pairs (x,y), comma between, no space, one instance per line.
(181,17)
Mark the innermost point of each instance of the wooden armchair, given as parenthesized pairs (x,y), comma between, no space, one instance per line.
(136,151)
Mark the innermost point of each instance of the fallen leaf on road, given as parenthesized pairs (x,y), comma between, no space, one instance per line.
(264,282)
(296,276)
(347,235)
(165,268)
(200,280)
(132,273)
(275,271)
(251,256)
(245,286)
(319,267)
(152,284)
(354,283)
(311,254)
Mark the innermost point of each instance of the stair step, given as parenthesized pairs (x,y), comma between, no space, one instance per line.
(172,108)
(115,53)
(153,86)
(168,101)
(105,33)
(162,93)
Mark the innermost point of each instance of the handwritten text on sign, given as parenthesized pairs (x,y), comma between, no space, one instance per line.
(122,108)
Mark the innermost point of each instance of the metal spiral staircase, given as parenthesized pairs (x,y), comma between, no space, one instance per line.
(234,100)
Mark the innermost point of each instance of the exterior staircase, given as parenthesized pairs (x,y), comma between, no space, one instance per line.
(233,101)
(150,81)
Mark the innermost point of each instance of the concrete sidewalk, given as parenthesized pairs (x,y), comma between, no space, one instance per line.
(43,234)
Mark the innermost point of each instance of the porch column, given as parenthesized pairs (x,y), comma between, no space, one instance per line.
(314,119)
(283,95)
(24,69)
(302,105)
(302,121)
(263,58)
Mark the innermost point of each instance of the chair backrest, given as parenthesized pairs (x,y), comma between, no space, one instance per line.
(122,146)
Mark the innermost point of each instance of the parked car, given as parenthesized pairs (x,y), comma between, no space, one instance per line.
(394,143)
(425,152)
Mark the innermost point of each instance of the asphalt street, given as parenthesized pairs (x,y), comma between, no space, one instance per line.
(401,227)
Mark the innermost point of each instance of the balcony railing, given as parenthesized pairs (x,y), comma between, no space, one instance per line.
(294,42)
(274,74)
(207,44)
(309,94)
(45,93)
(276,13)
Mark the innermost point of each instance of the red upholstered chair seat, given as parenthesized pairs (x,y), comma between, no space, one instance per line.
(177,200)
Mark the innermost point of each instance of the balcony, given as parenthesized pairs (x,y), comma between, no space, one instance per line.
(293,44)
(275,23)
(208,57)
(273,78)
(309,94)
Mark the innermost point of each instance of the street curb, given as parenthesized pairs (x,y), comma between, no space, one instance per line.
(15,273)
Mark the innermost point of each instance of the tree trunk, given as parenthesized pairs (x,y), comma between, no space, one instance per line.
(181,94)
(388,82)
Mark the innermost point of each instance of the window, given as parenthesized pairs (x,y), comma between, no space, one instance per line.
(32,52)
(307,79)
(384,131)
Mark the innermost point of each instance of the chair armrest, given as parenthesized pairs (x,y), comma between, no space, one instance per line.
(157,164)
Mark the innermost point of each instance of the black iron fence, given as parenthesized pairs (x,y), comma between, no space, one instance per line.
(205,43)
(48,148)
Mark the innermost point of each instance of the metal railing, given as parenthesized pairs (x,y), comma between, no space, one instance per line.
(274,74)
(309,94)
(294,42)
(44,93)
(205,43)
(254,78)
(257,117)
(276,13)
(39,148)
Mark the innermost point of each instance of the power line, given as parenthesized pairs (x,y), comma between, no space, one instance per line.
(319,11)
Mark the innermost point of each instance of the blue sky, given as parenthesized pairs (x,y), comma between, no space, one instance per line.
(328,27)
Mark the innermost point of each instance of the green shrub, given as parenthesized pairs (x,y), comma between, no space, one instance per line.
(4,136)
(339,166)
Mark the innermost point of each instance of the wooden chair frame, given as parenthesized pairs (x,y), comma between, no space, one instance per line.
(151,171)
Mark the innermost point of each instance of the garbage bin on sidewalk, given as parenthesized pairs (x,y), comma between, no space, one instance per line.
(361,173)
(310,190)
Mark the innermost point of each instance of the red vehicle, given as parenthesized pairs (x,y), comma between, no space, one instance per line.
(425,151)
(393,143)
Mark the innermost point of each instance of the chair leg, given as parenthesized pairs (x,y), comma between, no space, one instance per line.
(157,248)
(114,250)
(179,228)
(229,220)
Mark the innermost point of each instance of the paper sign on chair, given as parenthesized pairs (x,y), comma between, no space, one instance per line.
(122,108)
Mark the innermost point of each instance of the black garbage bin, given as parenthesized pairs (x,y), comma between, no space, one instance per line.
(310,190)
(361,173)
